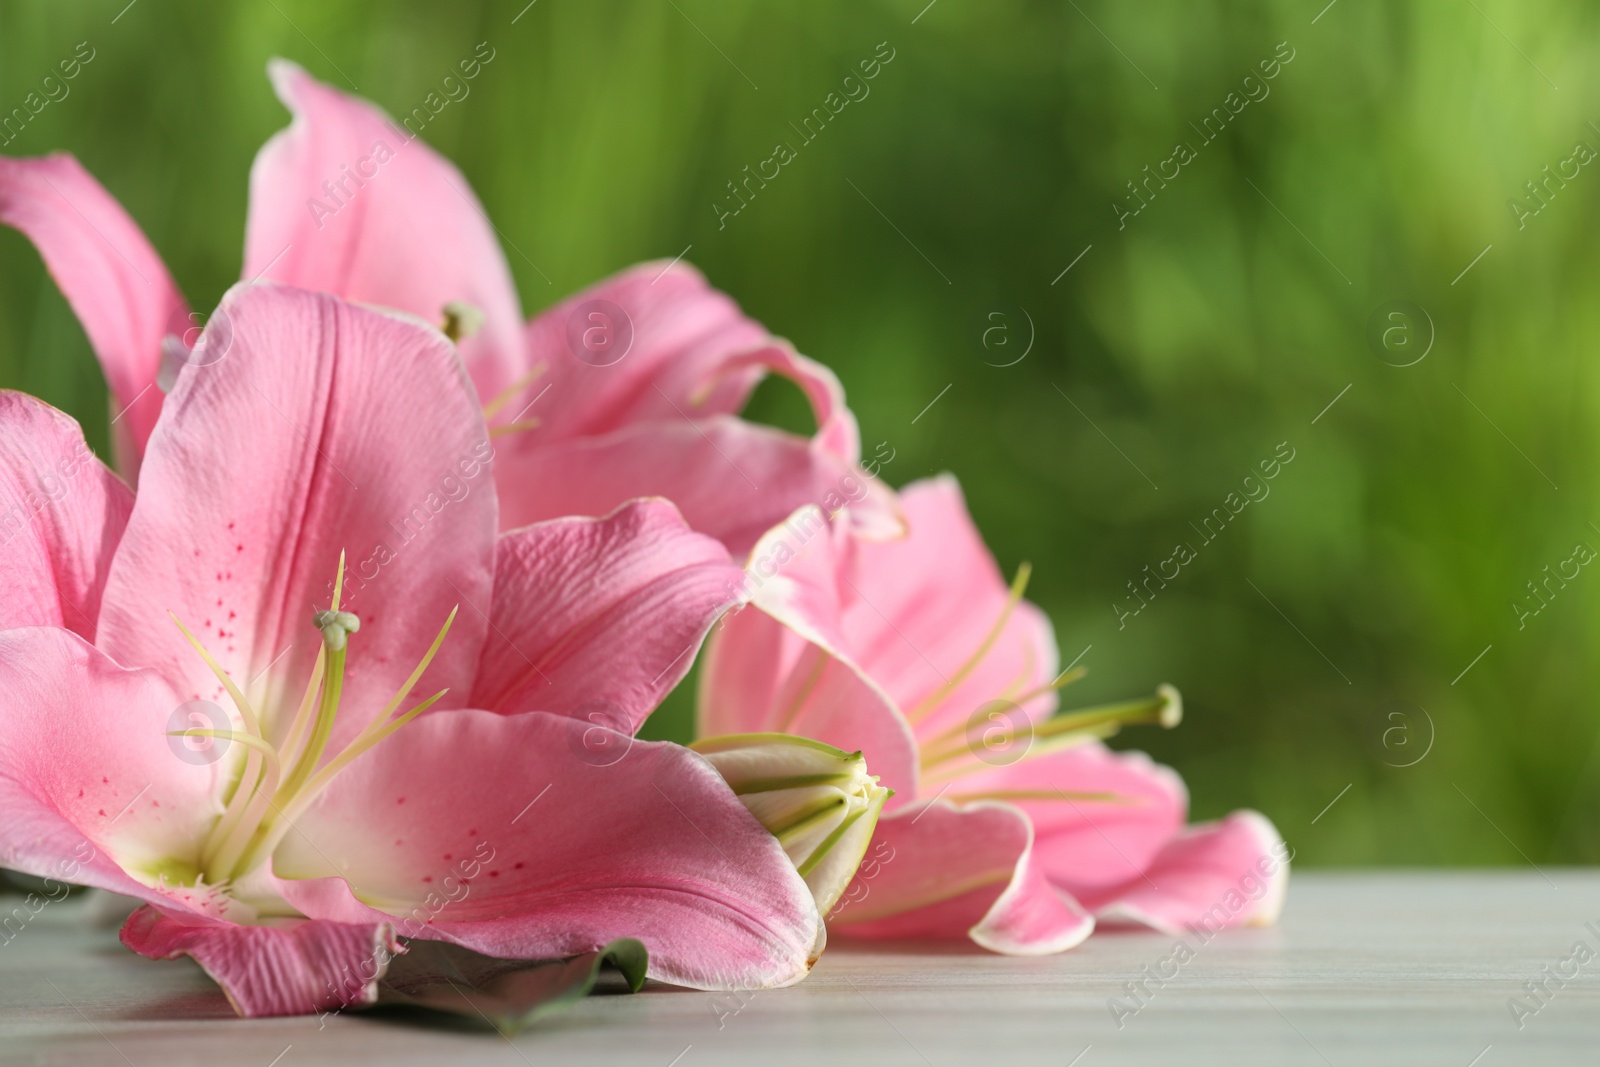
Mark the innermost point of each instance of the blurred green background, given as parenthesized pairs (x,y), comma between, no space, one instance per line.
(1321,639)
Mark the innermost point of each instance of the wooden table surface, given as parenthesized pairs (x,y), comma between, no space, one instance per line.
(1401,967)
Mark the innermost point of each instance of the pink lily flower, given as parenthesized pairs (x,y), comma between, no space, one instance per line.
(645,372)
(1009,826)
(205,688)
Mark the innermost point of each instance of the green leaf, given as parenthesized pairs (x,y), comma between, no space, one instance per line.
(508,995)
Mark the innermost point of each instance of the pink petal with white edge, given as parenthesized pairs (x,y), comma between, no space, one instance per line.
(1233,872)
(363,437)
(1088,846)
(517,837)
(61,515)
(294,969)
(600,618)
(944,870)
(678,331)
(90,784)
(109,273)
(395,224)
(925,606)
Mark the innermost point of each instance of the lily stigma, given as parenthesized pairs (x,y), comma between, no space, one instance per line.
(276,782)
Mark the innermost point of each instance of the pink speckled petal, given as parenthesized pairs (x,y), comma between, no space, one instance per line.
(324,428)
(519,836)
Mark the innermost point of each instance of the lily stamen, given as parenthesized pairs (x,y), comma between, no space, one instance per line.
(273,828)
(249,777)
(1062,680)
(1019,585)
(365,742)
(1165,709)
(513,427)
(299,728)
(461,320)
(511,392)
(278,782)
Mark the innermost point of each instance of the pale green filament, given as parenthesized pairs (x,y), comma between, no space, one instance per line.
(1064,679)
(322,725)
(512,391)
(1064,730)
(931,701)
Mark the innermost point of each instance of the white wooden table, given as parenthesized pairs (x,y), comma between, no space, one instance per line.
(1366,968)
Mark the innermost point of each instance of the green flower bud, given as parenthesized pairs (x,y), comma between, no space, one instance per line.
(818,801)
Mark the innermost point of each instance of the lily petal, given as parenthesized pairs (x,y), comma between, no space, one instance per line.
(679,332)
(324,428)
(924,606)
(1086,845)
(1233,872)
(731,479)
(785,668)
(349,202)
(294,969)
(62,513)
(90,786)
(109,273)
(654,416)
(690,354)
(966,870)
(837,432)
(601,617)
(526,845)
(761,677)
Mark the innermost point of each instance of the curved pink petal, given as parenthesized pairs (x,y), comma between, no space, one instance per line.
(61,515)
(800,574)
(678,333)
(1233,872)
(109,273)
(943,870)
(786,667)
(296,968)
(91,786)
(349,202)
(1088,846)
(731,479)
(924,615)
(658,344)
(515,836)
(759,676)
(600,618)
(837,432)
(323,428)
(645,370)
